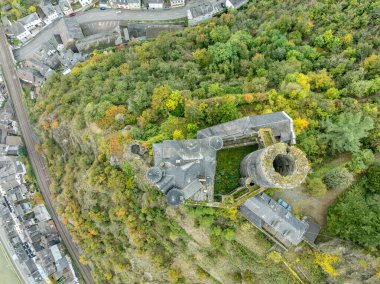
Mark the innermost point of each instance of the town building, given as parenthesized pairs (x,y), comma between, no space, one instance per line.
(235,3)
(70,31)
(177,3)
(99,40)
(65,7)
(85,2)
(128,4)
(31,21)
(154,4)
(49,13)
(200,13)
(18,31)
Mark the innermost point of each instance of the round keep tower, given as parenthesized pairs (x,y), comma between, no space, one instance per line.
(276,166)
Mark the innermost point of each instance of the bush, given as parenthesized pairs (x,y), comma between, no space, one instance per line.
(316,187)
(338,178)
(373,176)
(361,161)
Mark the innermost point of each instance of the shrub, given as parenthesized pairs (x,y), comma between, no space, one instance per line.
(338,178)
(316,187)
(373,176)
(361,161)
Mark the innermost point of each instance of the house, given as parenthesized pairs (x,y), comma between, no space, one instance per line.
(31,21)
(18,30)
(11,173)
(128,4)
(103,4)
(276,222)
(31,76)
(49,13)
(200,13)
(85,2)
(235,3)
(154,4)
(55,251)
(13,140)
(177,3)
(65,7)
(41,213)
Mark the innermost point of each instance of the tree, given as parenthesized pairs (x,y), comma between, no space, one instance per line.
(178,135)
(344,132)
(355,217)
(373,175)
(174,274)
(338,178)
(220,34)
(361,160)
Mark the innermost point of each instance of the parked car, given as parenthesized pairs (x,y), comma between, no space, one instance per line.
(72,15)
(285,205)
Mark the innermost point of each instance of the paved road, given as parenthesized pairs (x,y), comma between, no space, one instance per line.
(36,159)
(96,15)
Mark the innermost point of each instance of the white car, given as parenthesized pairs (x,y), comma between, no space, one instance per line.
(118,12)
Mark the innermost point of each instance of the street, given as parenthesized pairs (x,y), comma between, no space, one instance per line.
(38,163)
(96,15)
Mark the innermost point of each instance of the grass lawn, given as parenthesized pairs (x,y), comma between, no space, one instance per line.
(228,168)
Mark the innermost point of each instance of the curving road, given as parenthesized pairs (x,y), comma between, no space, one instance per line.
(38,164)
(96,15)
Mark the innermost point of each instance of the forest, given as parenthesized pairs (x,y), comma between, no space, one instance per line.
(317,60)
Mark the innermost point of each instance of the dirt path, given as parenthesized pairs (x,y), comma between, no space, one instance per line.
(316,207)
(305,204)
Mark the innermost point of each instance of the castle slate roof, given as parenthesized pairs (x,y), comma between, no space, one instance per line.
(280,123)
(262,210)
(184,166)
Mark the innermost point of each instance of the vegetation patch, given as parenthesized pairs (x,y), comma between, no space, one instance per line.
(228,168)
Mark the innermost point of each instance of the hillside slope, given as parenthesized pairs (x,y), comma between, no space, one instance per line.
(318,62)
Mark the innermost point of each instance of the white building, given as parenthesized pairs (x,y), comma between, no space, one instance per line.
(128,4)
(31,21)
(155,4)
(85,2)
(177,3)
(18,31)
(50,13)
(235,3)
(65,7)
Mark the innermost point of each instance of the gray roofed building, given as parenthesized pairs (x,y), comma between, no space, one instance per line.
(99,40)
(235,3)
(266,214)
(277,164)
(185,169)
(38,66)
(19,31)
(280,123)
(200,13)
(30,21)
(49,13)
(70,31)
(312,231)
(29,75)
